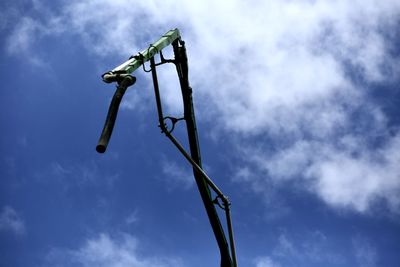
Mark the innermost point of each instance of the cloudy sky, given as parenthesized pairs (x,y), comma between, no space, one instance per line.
(297,111)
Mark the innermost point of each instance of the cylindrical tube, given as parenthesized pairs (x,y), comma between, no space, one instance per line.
(113,111)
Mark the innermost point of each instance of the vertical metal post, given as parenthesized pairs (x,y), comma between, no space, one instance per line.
(157,93)
(230,231)
(182,69)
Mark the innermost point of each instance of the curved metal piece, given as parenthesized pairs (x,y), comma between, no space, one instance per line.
(123,84)
(173,122)
(216,202)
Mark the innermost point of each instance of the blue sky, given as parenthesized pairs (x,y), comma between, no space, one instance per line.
(297,111)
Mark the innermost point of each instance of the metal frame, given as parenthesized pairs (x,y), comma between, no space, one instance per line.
(121,75)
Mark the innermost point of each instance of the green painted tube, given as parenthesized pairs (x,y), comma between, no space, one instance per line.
(136,61)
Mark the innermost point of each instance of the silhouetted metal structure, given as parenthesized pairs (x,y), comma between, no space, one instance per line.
(121,75)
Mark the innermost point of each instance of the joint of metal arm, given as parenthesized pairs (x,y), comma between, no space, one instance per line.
(112,76)
(164,127)
(154,64)
(225,206)
(225,202)
(123,84)
(163,60)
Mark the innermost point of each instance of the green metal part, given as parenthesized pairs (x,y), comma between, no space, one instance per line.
(136,61)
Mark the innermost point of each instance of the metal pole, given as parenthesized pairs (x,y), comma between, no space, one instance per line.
(123,83)
(230,230)
(182,69)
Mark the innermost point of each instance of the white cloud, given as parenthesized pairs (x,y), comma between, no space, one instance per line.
(73,175)
(346,175)
(177,175)
(276,72)
(21,38)
(132,218)
(265,262)
(365,253)
(20,41)
(28,31)
(344,180)
(313,249)
(105,250)
(11,221)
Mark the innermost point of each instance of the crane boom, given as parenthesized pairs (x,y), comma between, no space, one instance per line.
(136,61)
(121,75)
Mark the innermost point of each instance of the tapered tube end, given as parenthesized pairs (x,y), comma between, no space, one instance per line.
(124,82)
(101,148)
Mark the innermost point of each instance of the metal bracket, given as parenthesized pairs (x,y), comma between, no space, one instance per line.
(173,120)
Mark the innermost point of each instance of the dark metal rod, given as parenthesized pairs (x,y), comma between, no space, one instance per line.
(123,84)
(182,70)
(171,137)
(196,166)
(202,180)
(216,190)
(230,230)
(157,94)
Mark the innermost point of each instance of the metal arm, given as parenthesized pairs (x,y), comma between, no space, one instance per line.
(124,81)
(121,75)
(204,183)
(136,61)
